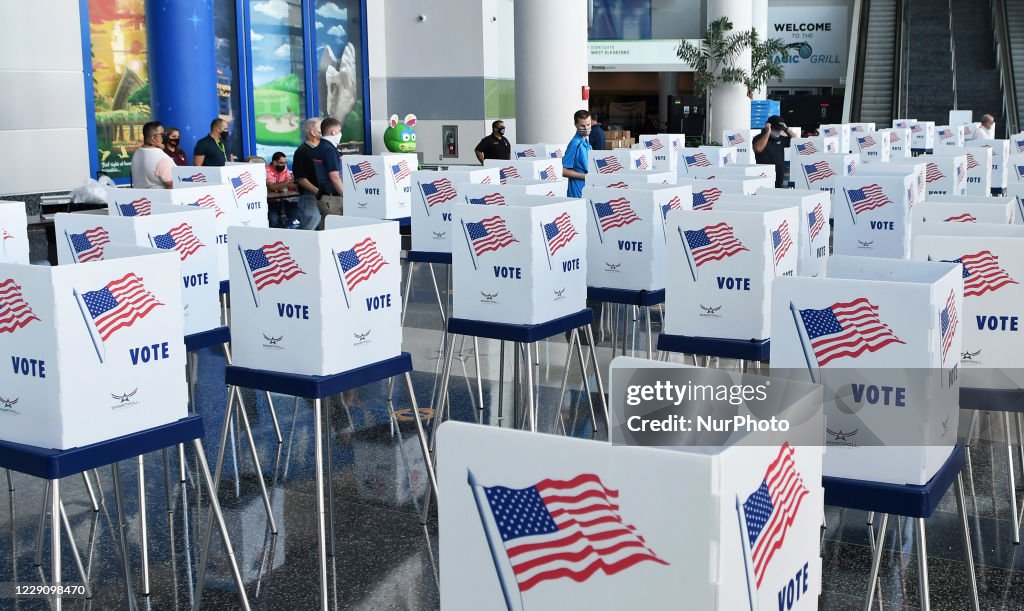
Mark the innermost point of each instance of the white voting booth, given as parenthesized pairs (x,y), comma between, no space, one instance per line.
(869,325)
(538,151)
(247,183)
(812,145)
(623,180)
(899,167)
(378,186)
(992,260)
(741,141)
(979,167)
(13,233)
(1000,160)
(818,172)
(814,226)
(963,209)
(97,351)
(703,157)
(626,234)
(549,170)
(873,147)
(525,263)
(922,135)
(709,188)
(619,160)
(736,172)
(1016,191)
(664,150)
(189,232)
(724,261)
(861,128)
(316,302)
(432,196)
(899,142)
(841,132)
(949,136)
(872,216)
(683,538)
(945,175)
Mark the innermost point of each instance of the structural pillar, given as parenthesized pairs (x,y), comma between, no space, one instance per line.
(730,106)
(759,21)
(668,84)
(182,66)
(551,68)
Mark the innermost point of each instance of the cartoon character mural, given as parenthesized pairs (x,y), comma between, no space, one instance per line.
(400,136)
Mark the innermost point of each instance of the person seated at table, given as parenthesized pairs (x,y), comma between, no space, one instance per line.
(284,211)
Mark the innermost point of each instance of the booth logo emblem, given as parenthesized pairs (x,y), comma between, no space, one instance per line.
(839,438)
(969,357)
(559,294)
(439,235)
(866,245)
(612,267)
(489,297)
(361,338)
(124,400)
(710,311)
(273,343)
(7,405)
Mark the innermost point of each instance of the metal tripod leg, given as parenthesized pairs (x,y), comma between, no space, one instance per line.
(876,561)
(961,507)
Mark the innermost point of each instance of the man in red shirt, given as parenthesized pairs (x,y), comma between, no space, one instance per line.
(284,212)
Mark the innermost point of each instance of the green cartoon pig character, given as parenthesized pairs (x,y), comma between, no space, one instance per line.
(400,137)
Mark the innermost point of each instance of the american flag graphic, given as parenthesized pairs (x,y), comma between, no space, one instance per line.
(438,192)
(489,235)
(727,159)
(559,232)
(971,162)
(15,312)
(271,264)
(486,180)
(712,243)
(197,177)
(982,273)
(557,154)
(1020,145)
(1020,170)
(139,207)
(831,132)
(653,145)
(846,329)
(819,170)
(360,262)
(677,144)
(894,137)
(207,201)
(770,510)
(704,200)
(119,305)
(932,173)
(549,174)
(4,235)
(966,217)
(180,239)
(564,529)
(490,199)
(697,160)
(89,245)
(243,183)
(400,171)
(866,142)
(641,163)
(781,241)
(607,165)
(945,134)
(917,128)
(947,323)
(816,221)
(527,153)
(911,197)
(614,213)
(362,171)
(960,172)
(806,148)
(507,173)
(851,168)
(734,139)
(867,198)
(673,204)
(618,185)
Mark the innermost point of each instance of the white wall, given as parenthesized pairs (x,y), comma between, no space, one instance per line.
(42,109)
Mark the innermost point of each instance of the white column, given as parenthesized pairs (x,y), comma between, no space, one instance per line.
(668,84)
(759,21)
(551,68)
(730,107)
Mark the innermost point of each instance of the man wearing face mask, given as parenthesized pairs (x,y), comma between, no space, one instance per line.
(284,212)
(327,162)
(577,155)
(209,150)
(770,147)
(304,171)
(495,146)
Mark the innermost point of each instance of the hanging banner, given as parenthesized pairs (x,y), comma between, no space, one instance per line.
(816,38)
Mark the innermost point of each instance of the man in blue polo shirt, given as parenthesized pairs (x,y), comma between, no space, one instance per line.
(577,154)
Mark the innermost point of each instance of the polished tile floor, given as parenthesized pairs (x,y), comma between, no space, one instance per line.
(384,557)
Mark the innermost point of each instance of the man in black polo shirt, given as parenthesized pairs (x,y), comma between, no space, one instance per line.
(304,171)
(209,150)
(770,147)
(495,146)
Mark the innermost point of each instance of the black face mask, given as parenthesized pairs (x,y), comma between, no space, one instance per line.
(174,141)
(280,168)
(224,136)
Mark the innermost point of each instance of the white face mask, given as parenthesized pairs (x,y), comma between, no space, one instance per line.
(335,139)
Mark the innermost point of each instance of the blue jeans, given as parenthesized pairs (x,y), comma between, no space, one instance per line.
(282,213)
(309,212)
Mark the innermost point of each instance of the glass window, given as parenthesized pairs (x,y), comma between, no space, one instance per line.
(228,89)
(621,20)
(340,68)
(279,88)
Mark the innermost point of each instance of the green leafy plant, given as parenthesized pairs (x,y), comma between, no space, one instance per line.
(712,60)
(763,67)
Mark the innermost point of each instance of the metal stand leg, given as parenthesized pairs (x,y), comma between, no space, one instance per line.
(565,382)
(256,463)
(1015,523)
(501,382)
(10,480)
(530,404)
(480,383)
(273,418)
(922,563)
(40,533)
(143,527)
(421,433)
(74,551)
(330,480)
(438,416)
(408,290)
(55,578)
(650,335)
(586,387)
(321,527)
(121,534)
(961,507)
(876,561)
(597,371)
(92,493)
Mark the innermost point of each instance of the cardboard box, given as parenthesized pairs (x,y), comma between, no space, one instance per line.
(815,232)
(872,216)
(378,186)
(899,142)
(949,135)
(620,159)
(316,302)
(626,234)
(741,141)
(189,232)
(97,351)
(868,325)
(979,167)
(13,233)
(626,179)
(524,263)
(873,147)
(724,262)
(818,172)
(537,169)
(664,150)
(965,209)
(839,131)
(432,197)
(993,268)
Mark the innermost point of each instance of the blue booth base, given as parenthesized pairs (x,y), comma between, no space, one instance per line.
(523,334)
(643,299)
(745,350)
(317,387)
(205,339)
(425,256)
(992,399)
(225,287)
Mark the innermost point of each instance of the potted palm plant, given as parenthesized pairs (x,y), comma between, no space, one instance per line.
(712,60)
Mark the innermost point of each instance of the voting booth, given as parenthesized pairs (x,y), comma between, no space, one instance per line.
(872,216)
(188,232)
(624,180)
(873,147)
(618,160)
(841,132)
(538,151)
(316,302)
(246,181)
(741,141)
(869,326)
(818,172)
(736,172)
(1015,169)
(378,186)
(724,262)
(685,532)
(96,351)
(949,135)
(664,150)
(1016,191)
(626,234)
(1000,160)
(899,167)
(992,262)
(979,167)
(524,264)
(899,142)
(432,196)
(13,233)
(945,175)
(703,157)
(531,169)
(711,187)
(963,209)
(815,207)
(922,135)
(859,129)
(812,145)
